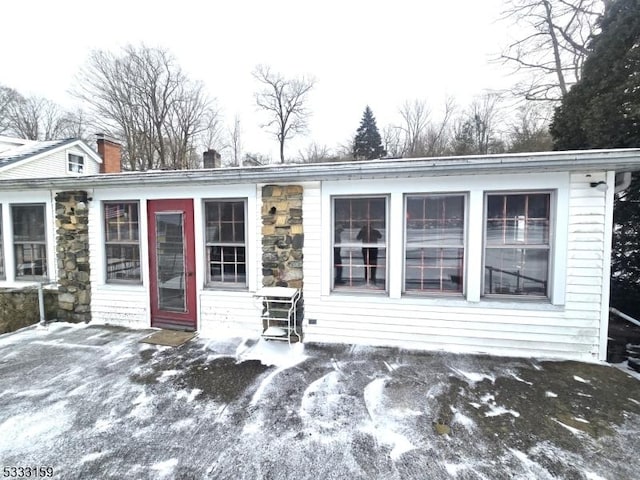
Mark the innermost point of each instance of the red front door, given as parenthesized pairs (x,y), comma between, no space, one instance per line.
(172,264)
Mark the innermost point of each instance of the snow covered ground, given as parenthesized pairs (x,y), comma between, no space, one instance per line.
(92,402)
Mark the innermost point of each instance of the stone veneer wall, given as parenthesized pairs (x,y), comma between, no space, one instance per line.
(282,236)
(20,307)
(72,230)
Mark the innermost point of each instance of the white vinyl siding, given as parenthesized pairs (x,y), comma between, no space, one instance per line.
(53,165)
(129,305)
(568,326)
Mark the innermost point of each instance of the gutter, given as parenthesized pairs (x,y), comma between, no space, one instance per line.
(620,160)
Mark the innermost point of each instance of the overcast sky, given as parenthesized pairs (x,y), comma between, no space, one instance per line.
(376,53)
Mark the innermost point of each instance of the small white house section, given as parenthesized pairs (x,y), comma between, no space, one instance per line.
(504,255)
(57,158)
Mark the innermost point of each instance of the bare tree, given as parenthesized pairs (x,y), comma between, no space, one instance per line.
(530,130)
(34,118)
(142,96)
(235,141)
(418,135)
(437,136)
(476,132)
(415,119)
(552,45)
(393,141)
(316,153)
(285,101)
(8,97)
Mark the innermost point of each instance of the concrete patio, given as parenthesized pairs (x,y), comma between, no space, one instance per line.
(93,402)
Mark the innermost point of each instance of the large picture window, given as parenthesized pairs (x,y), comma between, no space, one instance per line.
(122,241)
(434,251)
(517,244)
(225,242)
(360,243)
(29,241)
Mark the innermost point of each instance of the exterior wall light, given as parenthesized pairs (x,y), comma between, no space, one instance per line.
(601,186)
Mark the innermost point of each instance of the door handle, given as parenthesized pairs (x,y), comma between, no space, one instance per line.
(189,274)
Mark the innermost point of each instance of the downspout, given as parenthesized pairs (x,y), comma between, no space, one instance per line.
(43,319)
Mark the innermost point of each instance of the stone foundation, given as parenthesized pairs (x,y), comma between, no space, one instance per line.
(72,229)
(19,308)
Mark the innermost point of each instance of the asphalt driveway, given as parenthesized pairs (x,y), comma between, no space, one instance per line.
(93,402)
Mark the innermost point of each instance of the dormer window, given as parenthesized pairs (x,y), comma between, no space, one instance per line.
(76,163)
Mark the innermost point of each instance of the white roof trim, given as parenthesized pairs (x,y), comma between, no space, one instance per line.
(619,160)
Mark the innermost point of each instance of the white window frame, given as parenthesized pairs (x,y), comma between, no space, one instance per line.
(385,243)
(75,164)
(129,242)
(224,284)
(44,242)
(463,246)
(549,293)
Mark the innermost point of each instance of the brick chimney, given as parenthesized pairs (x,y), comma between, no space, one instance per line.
(110,151)
(211,159)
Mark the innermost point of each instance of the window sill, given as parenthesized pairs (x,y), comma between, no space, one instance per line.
(123,286)
(448,301)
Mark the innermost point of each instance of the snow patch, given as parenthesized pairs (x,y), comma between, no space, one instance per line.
(23,432)
(381,427)
(103,424)
(520,379)
(142,406)
(461,419)
(592,476)
(534,470)
(550,394)
(474,377)
(167,374)
(580,379)
(165,469)
(454,468)
(93,456)
(278,354)
(189,396)
(575,431)
(320,400)
(263,385)
(494,409)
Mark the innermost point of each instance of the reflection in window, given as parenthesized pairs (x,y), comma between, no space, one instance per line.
(434,254)
(517,244)
(360,243)
(170,263)
(76,163)
(225,242)
(122,241)
(29,241)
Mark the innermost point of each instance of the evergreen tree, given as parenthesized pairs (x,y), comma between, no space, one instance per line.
(367,144)
(603,111)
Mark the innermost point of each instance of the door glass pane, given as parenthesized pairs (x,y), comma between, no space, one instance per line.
(170,262)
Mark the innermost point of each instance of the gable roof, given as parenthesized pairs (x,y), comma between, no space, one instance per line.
(35,149)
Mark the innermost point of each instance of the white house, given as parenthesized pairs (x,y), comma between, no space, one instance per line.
(20,158)
(502,254)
